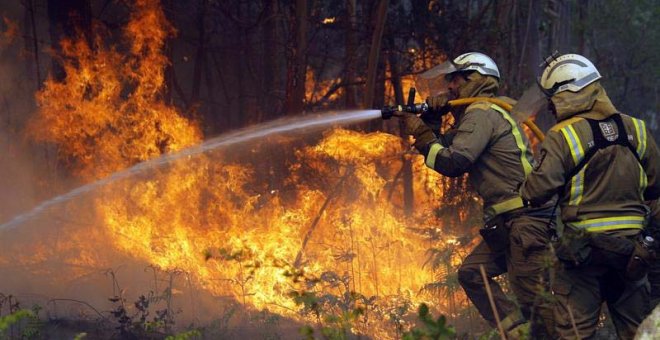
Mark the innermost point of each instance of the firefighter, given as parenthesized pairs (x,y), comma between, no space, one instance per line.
(604,165)
(488,144)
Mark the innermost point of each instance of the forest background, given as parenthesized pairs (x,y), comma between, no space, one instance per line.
(235,63)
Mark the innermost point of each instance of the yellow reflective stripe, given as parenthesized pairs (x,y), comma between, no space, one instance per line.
(505,206)
(610,223)
(577,152)
(433,153)
(640,132)
(574,143)
(643,181)
(577,187)
(515,131)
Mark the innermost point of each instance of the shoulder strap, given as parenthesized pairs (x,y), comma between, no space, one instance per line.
(518,137)
(602,141)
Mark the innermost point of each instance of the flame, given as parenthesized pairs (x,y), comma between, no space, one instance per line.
(108,112)
(330,20)
(322,92)
(336,208)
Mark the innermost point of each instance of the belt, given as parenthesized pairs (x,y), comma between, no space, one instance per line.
(502,207)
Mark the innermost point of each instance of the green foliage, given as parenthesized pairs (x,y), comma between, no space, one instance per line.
(80,336)
(430,329)
(336,314)
(492,334)
(16,318)
(185,335)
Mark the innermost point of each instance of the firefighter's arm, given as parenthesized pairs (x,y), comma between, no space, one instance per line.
(550,170)
(651,163)
(454,156)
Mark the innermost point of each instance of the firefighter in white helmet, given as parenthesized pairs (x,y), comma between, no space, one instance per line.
(488,144)
(603,165)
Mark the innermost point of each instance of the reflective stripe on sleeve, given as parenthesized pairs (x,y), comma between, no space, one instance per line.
(515,131)
(640,133)
(610,223)
(577,187)
(577,152)
(643,181)
(433,153)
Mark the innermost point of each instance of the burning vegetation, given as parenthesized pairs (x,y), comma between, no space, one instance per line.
(311,228)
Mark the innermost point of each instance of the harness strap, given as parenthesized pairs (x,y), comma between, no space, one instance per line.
(601,141)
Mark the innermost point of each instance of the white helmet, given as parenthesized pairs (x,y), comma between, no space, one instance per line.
(569,72)
(478,62)
(472,61)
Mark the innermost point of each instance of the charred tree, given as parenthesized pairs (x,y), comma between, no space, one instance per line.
(350,48)
(374,52)
(406,169)
(270,104)
(297,66)
(200,55)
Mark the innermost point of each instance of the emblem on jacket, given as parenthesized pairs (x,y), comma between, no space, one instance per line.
(608,131)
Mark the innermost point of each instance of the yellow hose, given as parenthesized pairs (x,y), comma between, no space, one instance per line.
(529,122)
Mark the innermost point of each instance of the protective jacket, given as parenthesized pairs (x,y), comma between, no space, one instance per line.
(488,144)
(603,164)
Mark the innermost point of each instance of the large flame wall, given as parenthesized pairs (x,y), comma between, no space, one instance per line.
(237,220)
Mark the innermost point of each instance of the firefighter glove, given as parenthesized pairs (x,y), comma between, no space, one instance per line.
(438,105)
(416,127)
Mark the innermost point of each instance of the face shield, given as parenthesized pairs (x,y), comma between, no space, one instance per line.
(530,103)
(435,81)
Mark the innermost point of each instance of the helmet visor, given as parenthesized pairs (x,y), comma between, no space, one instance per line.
(434,81)
(530,103)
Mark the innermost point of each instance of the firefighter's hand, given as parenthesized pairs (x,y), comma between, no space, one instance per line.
(438,104)
(415,126)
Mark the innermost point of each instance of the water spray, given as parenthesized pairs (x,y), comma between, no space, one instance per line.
(283,125)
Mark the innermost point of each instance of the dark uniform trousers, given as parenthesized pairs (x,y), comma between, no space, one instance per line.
(527,261)
(580,292)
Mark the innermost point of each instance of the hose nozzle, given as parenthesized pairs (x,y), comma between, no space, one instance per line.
(401,110)
(388,112)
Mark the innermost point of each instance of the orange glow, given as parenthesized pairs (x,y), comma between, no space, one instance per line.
(338,208)
(316,90)
(8,36)
(108,112)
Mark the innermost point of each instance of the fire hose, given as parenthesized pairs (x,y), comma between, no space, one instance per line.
(413,108)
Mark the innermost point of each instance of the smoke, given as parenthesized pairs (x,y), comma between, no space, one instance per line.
(19,178)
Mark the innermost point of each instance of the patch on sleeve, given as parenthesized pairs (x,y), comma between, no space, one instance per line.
(539,161)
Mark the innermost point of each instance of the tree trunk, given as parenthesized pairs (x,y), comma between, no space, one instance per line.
(296,70)
(530,55)
(408,194)
(270,107)
(583,7)
(350,51)
(372,63)
(35,46)
(199,55)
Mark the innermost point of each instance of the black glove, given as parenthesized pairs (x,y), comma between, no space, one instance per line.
(417,128)
(439,105)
